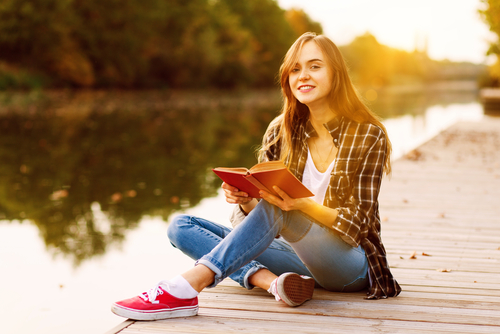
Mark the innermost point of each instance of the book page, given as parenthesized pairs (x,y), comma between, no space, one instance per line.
(236,170)
(266,166)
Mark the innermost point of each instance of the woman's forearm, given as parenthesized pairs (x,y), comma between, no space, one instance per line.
(320,213)
(247,207)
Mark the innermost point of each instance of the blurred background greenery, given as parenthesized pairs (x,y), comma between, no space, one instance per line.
(187,44)
(491,15)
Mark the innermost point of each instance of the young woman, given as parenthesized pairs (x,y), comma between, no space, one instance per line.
(339,149)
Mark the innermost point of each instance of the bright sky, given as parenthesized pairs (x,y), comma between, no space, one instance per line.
(453,29)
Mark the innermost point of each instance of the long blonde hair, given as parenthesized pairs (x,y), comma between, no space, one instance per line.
(343,98)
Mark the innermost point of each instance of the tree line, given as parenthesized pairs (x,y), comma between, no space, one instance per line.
(376,65)
(149,43)
(491,15)
(178,44)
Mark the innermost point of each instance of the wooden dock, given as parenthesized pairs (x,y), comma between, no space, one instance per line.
(490,99)
(441,228)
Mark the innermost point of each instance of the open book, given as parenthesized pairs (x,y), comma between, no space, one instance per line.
(264,176)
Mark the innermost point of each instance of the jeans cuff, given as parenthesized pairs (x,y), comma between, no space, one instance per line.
(250,271)
(218,272)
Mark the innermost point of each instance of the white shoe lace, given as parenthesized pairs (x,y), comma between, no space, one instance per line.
(156,291)
(274,290)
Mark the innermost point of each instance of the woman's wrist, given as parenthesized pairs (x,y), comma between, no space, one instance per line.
(243,210)
(247,207)
(306,205)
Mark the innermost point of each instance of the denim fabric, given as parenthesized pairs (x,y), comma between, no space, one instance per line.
(308,248)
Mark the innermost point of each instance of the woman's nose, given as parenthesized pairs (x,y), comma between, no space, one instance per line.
(304,75)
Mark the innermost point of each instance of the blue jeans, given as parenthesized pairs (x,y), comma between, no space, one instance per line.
(310,248)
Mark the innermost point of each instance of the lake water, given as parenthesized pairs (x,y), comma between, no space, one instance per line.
(89,182)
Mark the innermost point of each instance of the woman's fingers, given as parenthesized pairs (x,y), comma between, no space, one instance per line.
(282,194)
(283,201)
(234,195)
(275,200)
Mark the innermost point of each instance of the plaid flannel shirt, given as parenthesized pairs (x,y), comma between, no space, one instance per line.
(353,190)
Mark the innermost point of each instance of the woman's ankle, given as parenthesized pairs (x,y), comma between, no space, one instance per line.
(199,277)
(262,279)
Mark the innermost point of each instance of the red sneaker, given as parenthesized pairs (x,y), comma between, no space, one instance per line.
(156,304)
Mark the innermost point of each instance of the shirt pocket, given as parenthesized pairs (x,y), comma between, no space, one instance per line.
(342,178)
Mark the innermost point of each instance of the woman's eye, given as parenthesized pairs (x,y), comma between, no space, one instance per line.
(295,70)
(315,67)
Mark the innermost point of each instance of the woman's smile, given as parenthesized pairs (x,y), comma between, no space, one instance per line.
(311,78)
(306,88)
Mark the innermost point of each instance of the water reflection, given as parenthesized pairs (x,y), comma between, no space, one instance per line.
(410,131)
(85,178)
(86,167)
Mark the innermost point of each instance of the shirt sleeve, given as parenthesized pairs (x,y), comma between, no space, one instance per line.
(272,153)
(358,186)
(236,216)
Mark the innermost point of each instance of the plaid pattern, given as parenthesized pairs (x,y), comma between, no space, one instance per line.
(353,190)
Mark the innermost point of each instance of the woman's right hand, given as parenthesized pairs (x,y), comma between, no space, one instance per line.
(234,195)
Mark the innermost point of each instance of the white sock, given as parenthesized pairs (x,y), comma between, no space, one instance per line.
(181,288)
(273,289)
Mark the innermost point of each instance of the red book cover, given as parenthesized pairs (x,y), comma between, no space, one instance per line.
(263,176)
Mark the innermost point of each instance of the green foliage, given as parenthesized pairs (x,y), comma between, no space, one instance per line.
(18,78)
(38,35)
(271,35)
(301,22)
(491,15)
(146,43)
(376,65)
(179,43)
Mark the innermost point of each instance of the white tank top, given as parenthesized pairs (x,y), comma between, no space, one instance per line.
(316,181)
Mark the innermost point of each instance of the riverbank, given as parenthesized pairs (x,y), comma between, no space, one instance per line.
(441,229)
(387,101)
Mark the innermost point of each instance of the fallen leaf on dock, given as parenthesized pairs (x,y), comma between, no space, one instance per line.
(413,256)
(425,254)
(443,270)
(414,155)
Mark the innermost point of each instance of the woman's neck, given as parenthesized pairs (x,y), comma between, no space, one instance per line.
(318,117)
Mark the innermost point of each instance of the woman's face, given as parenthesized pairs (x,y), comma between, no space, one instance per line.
(311,78)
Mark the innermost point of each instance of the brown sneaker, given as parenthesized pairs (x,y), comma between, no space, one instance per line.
(293,289)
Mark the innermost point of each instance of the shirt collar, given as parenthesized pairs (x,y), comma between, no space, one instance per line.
(333,126)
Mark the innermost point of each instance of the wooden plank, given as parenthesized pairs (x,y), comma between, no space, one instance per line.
(357,325)
(406,298)
(118,328)
(362,308)
(328,295)
(212,320)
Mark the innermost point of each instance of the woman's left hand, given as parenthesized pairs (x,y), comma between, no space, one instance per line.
(283,201)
